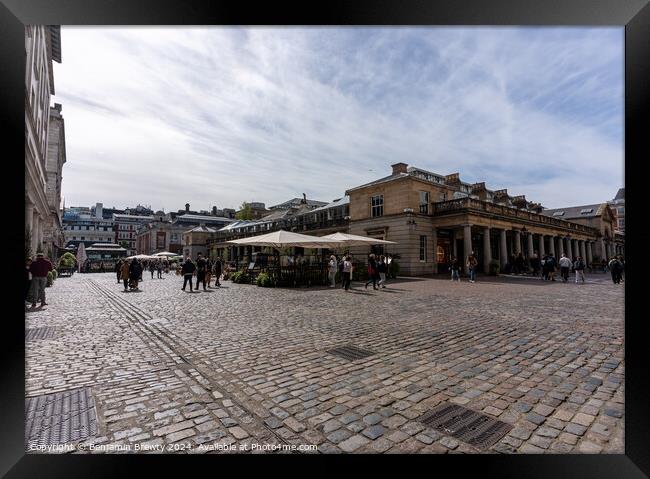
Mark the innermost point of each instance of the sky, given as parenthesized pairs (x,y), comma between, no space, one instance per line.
(215,116)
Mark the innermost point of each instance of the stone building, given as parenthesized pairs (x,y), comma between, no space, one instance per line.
(433,217)
(618,206)
(80,225)
(600,217)
(126,227)
(160,235)
(195,241)
(53,236)
(42,47)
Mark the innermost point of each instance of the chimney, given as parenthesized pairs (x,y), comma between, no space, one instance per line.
(520,201)
(453,179)
(399,168)
(478,187)
(187,207)
(214,211)
(99,210)
(501,196)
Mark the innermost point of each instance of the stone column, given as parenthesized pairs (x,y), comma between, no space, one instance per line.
(560,244)
(503,249)
(589,254)
(29,216)
(467,242)
(434,241)
(575,249)
(603,251)
(569,252)
(551,245)
(531,248)
(583,250)
(517,242)
(542,247)
(487,250)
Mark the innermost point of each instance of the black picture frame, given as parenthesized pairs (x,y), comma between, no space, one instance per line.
(633,15)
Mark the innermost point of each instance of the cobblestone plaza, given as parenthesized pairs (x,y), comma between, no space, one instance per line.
(243,367)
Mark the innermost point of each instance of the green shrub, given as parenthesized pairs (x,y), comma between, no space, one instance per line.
(55,274)
(265,280)
(50,278)
(494,267)
(239,277)
(67,260)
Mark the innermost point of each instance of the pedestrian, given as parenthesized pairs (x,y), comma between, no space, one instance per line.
(124,274)
(544,265)
(579,268)
(616,269)
(551,265)
(208,271)
(187,270)
(200,271)
(347,272)
(565,266)
(455,269)
(534,263)
(159,268)
(152,268)
(622,261)
(472,263)
(101,266)
(218,267)
(382,269)
(519,264)
(39,270)
(118,269)
(135,274)
(332,270)
(372,271)
(28,279)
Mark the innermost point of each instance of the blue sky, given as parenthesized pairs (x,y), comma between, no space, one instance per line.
(217,116)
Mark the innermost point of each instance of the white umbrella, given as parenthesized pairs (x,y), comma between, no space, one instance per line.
(166,253)
(143,257)
(356,240)
(286,239)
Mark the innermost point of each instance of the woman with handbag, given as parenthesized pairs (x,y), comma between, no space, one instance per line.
(372,272)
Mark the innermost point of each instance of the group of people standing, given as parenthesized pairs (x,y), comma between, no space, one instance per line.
(204,268)
(471,263)
(377,270)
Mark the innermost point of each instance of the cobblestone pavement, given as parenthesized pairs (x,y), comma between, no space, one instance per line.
(242,365)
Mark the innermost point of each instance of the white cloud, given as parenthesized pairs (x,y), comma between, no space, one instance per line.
(165,116)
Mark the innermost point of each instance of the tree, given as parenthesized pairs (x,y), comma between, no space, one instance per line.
(245,212)
(124,244)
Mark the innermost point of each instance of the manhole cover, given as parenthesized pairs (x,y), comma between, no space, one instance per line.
(351,352)
(60,418)
(39,333)
(469,426)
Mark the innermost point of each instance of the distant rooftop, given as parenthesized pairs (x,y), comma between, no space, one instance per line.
(572,212)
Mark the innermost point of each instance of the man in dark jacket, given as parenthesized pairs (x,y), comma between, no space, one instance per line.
(200,271)
(217,271)
(187,270)
(39,270)
(118,270)
(135,273)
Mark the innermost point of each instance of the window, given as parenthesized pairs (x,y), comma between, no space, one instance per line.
(621,210)
(424,202)
(443,196)
(83,238)
(621,223)
(586,211)
(377,205)
(423,248)
(558,213)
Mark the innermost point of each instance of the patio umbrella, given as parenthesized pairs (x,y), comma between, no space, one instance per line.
(143,257)
(286,239)
(166,253)
(356,240)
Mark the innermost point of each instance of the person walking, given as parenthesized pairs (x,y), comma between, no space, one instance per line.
(208,271)
(382,269)
(579,268)
(187,270)
(152,268)
(28,280)
(347,272)
(616,269)
(39,270)
(124,274)
(534,263)
(565,266)
(455,269)
(544,265)
(551,266)
(135,274)
(332,268)
(372,272)
(218,266)
(118,270)
(159,268)
(472,263)
(200,271)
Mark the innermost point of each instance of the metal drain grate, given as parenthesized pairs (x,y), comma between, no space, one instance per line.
(39,333)
(351,352)
(469,426)
(60,418)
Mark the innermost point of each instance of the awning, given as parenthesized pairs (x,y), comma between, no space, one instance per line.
(356,240)
(287,239)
